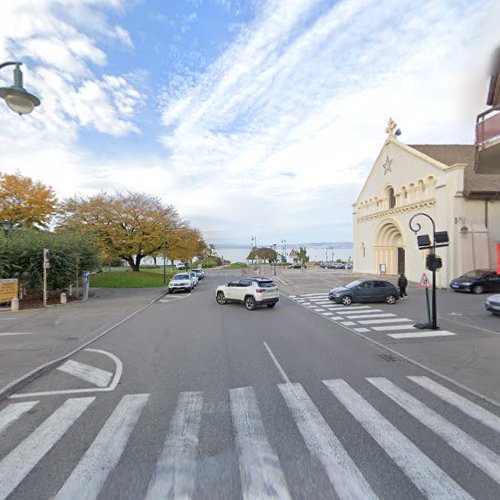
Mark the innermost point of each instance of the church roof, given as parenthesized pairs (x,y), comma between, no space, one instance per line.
(451,154)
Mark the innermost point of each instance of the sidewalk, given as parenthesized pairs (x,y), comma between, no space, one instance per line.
(44,335)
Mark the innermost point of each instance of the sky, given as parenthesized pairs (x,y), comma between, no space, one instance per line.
(252,117)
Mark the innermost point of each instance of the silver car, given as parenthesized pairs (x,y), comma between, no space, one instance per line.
(492,304)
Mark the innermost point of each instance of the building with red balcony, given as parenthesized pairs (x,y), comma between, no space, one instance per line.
(488,126)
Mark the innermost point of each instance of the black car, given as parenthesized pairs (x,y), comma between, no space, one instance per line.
(477,281)
(365,291)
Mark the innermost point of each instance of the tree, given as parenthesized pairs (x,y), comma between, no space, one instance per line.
(24,202)
(126,225)
(302,255)
(21,256)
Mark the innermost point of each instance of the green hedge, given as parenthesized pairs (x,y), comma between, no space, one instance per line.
(21,256)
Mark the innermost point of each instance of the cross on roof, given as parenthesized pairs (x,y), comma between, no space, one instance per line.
(391,127)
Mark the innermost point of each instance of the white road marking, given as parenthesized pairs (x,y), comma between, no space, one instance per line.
(175,474)
(382,315)
(336,318)
(111,387)
(324,445)
(364,311)
(352,309)
(12,412)
(284,376)
(392,328)
(362,330)
(327,314)
(315,294)
(347,323)
(430,479)
(319,310)
(88,477)
(260,470)
(7,334)
(6,319)
(419,334)
(21,460)
(481,456)
(464,405)
(293,296)
(86,372)
(380,321)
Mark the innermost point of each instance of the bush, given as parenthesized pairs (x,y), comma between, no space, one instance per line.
(209,262)
(21,256)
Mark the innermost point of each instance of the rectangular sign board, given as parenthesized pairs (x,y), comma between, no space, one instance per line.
(8,290)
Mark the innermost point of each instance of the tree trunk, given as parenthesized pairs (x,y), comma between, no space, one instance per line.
(137,263)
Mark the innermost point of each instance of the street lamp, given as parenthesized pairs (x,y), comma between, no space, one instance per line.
(165,251)
(17,97)
(283,242)
(275,256)
(433,263)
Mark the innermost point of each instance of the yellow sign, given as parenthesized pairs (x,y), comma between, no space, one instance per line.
(8,290)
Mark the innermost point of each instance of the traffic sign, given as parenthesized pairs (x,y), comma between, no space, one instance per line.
(424,282)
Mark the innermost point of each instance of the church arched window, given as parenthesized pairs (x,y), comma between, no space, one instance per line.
(391,198)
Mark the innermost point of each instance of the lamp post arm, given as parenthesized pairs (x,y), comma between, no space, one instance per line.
(10,63)
(417,226)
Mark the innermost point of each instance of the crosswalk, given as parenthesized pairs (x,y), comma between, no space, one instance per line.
(420,401)
(366,318)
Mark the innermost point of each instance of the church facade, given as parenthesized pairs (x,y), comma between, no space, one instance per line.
(434,179)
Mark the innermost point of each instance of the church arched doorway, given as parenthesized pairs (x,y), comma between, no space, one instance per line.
(389,248)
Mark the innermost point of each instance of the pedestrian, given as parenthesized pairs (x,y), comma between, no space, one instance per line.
(402,284)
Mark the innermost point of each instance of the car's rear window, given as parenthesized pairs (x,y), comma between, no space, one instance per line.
(265,284)
(181,277)
(477,273)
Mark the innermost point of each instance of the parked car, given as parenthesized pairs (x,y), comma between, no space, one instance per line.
(252,292)
(200,273)
(194,278)
(324,265)
(365,291)
(477,281)
(297,266)
(492,304)
(180,282)
(181,265)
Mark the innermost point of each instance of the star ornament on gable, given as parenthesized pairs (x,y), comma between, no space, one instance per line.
(387,165)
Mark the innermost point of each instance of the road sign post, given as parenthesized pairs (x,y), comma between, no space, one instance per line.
(424,283)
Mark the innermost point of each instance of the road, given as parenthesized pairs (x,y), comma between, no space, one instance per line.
(189,399)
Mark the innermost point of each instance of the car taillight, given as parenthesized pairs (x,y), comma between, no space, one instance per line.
(259,290)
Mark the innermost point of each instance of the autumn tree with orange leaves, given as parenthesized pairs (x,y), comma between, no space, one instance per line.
(24,202)
(130,226)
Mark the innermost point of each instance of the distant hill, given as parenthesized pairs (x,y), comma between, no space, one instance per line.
(324,244)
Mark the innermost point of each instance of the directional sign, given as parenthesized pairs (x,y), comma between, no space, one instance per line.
(424,282)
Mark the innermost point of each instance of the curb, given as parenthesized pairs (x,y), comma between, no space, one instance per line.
(25,379)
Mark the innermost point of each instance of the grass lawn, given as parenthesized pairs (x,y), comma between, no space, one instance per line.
(127,279)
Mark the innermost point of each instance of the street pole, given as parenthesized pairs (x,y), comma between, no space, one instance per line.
(45,266)
(433,323)
(164,254)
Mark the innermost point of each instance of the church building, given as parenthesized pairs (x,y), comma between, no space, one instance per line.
(434,179)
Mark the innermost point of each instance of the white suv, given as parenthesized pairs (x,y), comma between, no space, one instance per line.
(181,281)
(252,292)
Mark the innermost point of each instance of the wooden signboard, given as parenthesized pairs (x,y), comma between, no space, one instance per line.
(8,290)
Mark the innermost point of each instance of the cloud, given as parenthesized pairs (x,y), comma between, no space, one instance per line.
(61,62)
(307,89)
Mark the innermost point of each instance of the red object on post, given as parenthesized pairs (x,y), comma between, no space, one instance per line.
(498,258)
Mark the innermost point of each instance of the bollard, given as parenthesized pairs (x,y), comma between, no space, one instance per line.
(63,298)
(70,291)
(14,305)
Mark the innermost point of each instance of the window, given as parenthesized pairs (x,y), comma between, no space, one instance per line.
(391,197)
(265,284)
(245,283)
(366,284)
(233,283)
(379,284)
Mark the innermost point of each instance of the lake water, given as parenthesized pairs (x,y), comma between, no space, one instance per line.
(315,254)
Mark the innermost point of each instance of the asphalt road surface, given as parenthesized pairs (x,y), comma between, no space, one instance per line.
(190,399)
